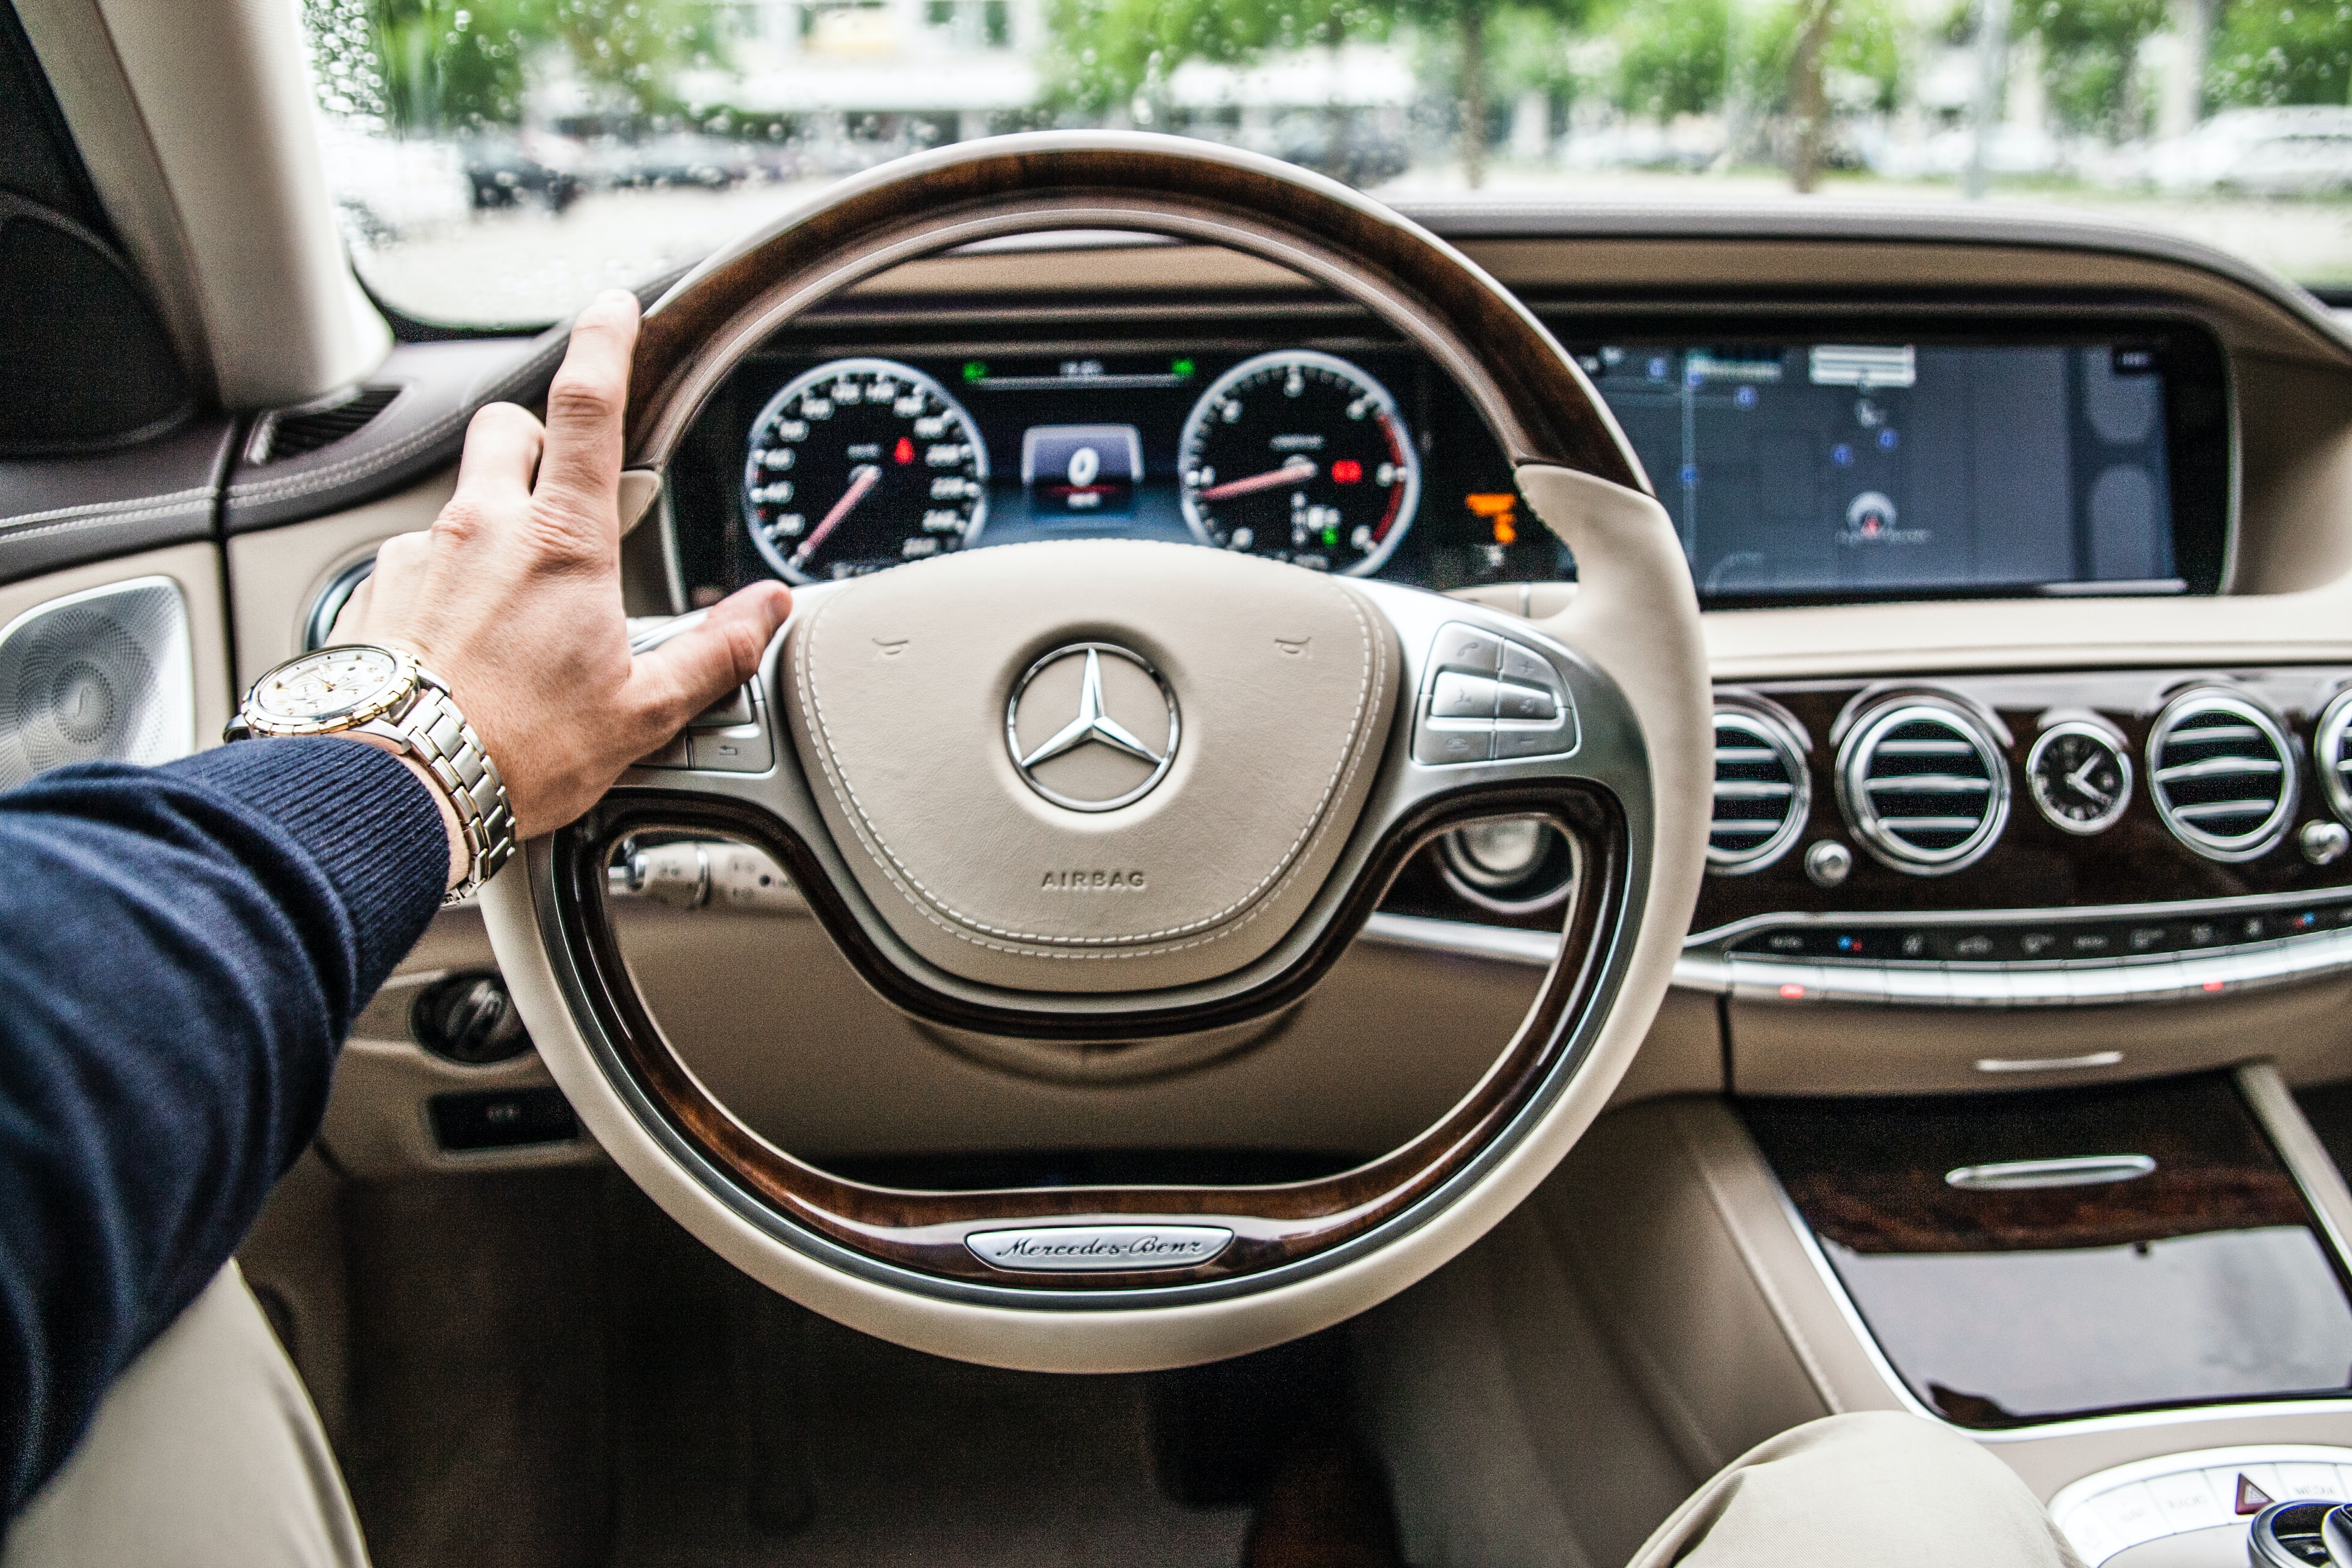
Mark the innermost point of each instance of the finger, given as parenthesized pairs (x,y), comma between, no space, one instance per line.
(351,621)
(502,446)
(580,475)
(695,668)
(402,566)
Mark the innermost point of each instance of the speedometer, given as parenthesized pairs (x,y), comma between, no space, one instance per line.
(861,464)
(1301,456)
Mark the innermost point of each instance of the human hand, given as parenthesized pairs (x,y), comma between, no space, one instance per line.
(514,597)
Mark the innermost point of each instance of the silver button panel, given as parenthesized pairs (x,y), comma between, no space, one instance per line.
(2208,1489)
(1488,698)
(2094,961)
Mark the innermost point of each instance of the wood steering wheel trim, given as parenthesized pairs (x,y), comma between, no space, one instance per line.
(925,1232)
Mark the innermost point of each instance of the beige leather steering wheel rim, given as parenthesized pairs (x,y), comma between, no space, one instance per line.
(1627,653)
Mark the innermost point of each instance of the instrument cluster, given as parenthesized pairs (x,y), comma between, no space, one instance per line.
(1345,457)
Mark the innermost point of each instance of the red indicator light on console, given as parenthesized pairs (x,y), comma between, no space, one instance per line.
(903,452)
(2212,986)
(1792,991)
(1347,471)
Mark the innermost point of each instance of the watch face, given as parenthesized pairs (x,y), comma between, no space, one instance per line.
(2081,779)
(330,684)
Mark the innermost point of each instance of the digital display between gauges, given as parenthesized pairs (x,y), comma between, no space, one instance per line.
(1299,456)
(861,464)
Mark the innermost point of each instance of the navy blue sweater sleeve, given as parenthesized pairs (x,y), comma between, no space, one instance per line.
(182,952)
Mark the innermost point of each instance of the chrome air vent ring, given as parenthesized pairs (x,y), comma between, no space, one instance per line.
(1763,791)
(2221,772)
(2331,748)
(1925,787)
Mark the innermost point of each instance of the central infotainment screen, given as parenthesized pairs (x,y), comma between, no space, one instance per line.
(1828,469)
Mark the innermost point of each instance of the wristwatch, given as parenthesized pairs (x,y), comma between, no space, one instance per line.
(360,689)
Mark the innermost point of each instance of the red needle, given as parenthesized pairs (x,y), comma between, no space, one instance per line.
(1294,471)
(864,478)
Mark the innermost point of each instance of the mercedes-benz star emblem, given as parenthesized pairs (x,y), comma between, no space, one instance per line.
(1117,740)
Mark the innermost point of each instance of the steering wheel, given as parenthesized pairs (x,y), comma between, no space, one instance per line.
(1089,795)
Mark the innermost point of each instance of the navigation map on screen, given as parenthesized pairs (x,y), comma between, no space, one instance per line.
(1825,468)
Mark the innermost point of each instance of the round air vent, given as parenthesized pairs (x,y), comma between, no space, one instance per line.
(2221,772)
(1762,792)
(1925,787)
(2331,747)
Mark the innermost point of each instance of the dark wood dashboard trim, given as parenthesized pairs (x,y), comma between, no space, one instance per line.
(925,1231)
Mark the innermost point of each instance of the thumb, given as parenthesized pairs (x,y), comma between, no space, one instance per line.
(690,671)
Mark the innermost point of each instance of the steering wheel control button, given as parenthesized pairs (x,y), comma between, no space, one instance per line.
(1092,727)
(728,737)
(1527,702)
(1468,716)
(738,749)
(1439,743)
(1466,647)
(1458,696)
(1097,1248)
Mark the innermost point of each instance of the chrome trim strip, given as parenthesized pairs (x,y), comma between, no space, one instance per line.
(2088,1061)
(1510,944)
(2035,1175)
(2178,909)
(2074,984)
(2299,1148)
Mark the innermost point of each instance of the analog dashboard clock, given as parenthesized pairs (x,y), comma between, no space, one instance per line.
(2081,776)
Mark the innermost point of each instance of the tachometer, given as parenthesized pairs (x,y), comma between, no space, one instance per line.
(861,464)
(1301,456)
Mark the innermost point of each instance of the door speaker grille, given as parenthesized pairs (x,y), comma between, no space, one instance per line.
(101,677)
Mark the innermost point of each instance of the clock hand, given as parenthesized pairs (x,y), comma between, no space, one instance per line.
(2080,779)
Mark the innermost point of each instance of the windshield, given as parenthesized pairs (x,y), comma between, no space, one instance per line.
(495,162)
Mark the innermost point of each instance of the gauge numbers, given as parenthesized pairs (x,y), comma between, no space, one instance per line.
(861,464)
(1299,456)
(2081,776)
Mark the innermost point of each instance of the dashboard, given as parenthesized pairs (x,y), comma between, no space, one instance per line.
(1925,830)
(1864,461)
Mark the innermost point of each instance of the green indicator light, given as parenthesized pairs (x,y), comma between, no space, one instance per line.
(1331,537)
(1181,369)
(975,370)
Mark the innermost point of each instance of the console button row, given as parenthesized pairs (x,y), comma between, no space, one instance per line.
(1488,698)
(2041,943)
(2086,964)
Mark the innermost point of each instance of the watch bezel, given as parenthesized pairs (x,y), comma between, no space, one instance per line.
(387,698)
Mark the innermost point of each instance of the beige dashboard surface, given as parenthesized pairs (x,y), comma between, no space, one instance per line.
(1283,681)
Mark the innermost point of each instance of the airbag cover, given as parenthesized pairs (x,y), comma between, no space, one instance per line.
(1283,685)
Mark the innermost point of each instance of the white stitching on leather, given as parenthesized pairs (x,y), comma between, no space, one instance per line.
(1375,667)
(63,518)
(369,463)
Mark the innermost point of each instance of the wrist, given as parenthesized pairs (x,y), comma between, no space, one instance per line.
(461,858)
(369,692)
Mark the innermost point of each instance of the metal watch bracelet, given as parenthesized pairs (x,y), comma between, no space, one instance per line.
(439,738)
